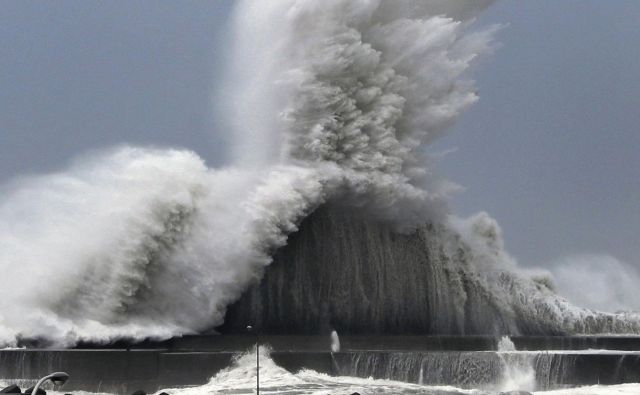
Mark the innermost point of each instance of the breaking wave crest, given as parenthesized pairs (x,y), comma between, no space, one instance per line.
(332,100)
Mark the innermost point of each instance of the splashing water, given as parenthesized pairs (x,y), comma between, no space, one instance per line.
(335,342)
(518,371)
(240,378)
(151,243)
(505,344)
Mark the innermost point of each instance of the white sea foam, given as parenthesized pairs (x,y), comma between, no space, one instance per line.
(335,342)
(597,281)
(518,373)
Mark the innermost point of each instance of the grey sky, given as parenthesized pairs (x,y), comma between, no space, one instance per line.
(76,75)
(551,149)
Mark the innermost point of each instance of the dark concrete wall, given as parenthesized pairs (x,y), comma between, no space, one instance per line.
(477,369)
(187,361)
(628,343)
(308,343)
(123,372)
(92,370)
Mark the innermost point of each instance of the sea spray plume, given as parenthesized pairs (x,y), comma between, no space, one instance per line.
(335,100)
(460,10)
(341,82)
(74,245)
(527,304)
(365,86)
(240,377)
(140,243)
(586,279)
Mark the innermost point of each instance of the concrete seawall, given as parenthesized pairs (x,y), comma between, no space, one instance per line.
(236,343)
(122,371)
(193,360)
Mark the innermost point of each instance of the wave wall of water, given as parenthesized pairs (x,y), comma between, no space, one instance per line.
(332,101)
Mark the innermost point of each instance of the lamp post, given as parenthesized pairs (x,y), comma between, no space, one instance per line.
(249,329)
(57,378)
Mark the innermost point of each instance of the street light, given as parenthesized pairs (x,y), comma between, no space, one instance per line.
(57,378)
(249,329)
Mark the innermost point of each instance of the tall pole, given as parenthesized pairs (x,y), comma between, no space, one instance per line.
(249,329)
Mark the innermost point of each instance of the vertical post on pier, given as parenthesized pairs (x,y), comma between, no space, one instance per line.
(249,329)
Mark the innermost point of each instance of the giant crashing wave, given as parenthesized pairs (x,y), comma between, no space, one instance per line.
(342,271)
(332,106)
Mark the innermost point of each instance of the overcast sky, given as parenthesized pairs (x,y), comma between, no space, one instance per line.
(552,149)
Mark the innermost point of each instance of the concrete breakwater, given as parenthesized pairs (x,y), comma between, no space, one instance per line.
(473,369)
(125,371)
(374,342)
(455,360)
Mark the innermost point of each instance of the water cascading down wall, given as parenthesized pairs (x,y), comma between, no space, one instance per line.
(343,272)
(346,272)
